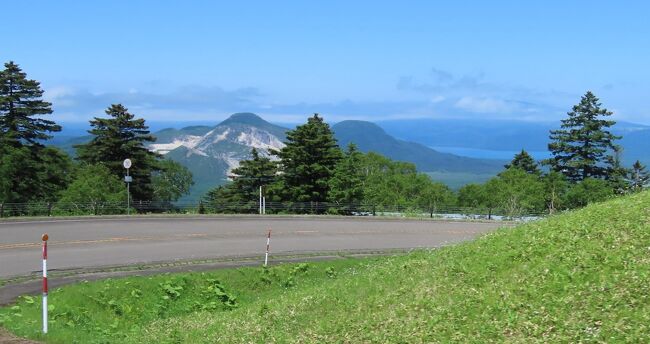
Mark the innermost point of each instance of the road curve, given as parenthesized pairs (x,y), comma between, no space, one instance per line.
(96,242)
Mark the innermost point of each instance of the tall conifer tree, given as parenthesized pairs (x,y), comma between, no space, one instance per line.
(28,170)
(258,171)
(346,184)
(525,162)
(21,108)
(119,137)
(583,147)
(243,193)
(308,161)
(638,176)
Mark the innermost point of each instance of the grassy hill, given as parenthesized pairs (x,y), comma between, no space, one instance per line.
(579,277)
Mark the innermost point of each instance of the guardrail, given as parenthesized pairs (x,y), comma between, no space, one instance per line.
(202,207)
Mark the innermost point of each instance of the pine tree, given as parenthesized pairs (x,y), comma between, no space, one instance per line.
(346,185)
(638,176)
(583,147)
(119,137)
(617,174)
(242,195)
(524,162)
(21,108)
(259,171)
(28,170)
(308,161)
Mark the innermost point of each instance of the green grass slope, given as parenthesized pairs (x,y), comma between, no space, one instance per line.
(579,277)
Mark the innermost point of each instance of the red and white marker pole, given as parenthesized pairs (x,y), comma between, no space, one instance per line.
(44,238)
(268,243)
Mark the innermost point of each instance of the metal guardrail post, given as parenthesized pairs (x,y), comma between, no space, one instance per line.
(2,208)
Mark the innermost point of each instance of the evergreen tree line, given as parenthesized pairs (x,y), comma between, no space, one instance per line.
(33,174)
(312,174)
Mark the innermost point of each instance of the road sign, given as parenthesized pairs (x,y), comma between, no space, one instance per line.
(128,180)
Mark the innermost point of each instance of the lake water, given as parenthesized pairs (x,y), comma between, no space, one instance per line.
(489,154)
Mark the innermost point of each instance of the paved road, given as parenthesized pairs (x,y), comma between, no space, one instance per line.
(96,242)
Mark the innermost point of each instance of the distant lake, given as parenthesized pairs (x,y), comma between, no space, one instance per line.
(489,154)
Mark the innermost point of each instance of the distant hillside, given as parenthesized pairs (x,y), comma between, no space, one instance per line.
(636,146)
(67,143)
(506,135)
(370,137)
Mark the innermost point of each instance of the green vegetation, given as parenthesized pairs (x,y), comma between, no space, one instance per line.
(308,160)
(171,181)
(584,148)
(117,310)
(346,185)
(524,162)
(118,137)
(29,171)
(22,109)
(95,185)
(576,277)
(243,193)
(638,176)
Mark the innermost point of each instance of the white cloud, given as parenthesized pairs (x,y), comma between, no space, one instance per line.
(485,105)
(57,92)
(438,94)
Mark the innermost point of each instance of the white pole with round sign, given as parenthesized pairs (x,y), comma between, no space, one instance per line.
(127,179)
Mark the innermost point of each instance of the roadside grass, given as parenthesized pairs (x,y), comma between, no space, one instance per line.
(583,276)
(114,310)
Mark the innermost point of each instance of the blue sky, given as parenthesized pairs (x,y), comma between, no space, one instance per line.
(202,60)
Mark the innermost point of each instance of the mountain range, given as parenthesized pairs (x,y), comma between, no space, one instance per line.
(211,152)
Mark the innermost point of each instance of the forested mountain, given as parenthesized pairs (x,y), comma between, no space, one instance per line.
(369,137)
